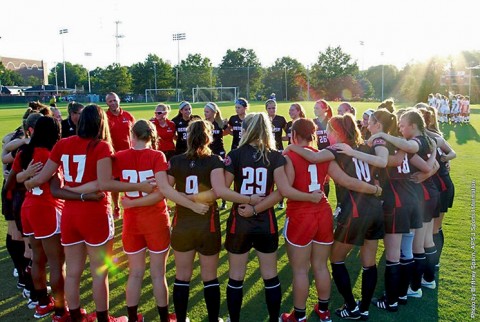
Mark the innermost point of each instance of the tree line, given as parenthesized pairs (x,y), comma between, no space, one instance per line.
(334,76)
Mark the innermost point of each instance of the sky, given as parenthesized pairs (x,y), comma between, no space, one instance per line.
(404,31)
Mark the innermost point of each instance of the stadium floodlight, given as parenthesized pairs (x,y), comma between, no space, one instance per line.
(89,85)
(177,37)
(62,32)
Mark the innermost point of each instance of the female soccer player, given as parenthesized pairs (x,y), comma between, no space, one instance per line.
(192,173)
(254,167)
(87,227)
(165,130)
(235,122)
(279,123)
(309,227)
(295,111)
(360,221)
(181,121)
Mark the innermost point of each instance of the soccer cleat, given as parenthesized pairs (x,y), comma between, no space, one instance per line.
(290,317)
(20,285)
(345,313)
(281,205)
(363,314)
(44,310)
(416,294)
(26,293)
(381,303)
(64,318)
(323,315)
(140,317)
(15,272)
(402,300)
(31,304)
(431,285)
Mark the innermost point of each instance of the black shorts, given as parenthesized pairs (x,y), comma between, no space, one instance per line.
(431,206)
(190,234)
(7,205)
(18,196)
(260,232)
(447,192)
(354,230)
(404,211)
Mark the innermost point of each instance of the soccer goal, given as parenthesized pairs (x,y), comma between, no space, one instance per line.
(214,94)
(162,95)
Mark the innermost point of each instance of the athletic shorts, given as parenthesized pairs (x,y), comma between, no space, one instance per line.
(404,210)
(41,222)
(301,229)
(189,234)
(354,230)
(157,242)
(7,204)
(431,205)
(94,228)
(18,196)
(447,192)
(259,232)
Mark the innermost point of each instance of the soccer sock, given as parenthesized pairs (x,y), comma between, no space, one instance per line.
(420,261)
(59,311)
(342,281)
(392,281)
(28,279)
(102,316)
(42,296)
(431,256)
(273,297)
(234,299)
(163,313)
(132,313)
(406,273)
(300,314)
(211,292)
(181,291)
(76,315)
(16,249)
(369,282)
(323,305)
(438,239)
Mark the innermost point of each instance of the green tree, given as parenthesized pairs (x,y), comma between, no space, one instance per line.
(287,79)
(143,74)
(390,80)
(114,78)
(241,68)
(77,75)
(333,70)
(195,71)
(9,77)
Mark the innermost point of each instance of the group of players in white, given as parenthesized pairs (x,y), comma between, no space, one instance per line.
(338,139)
(452,109)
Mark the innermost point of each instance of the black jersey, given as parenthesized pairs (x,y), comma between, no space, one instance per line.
(253,176)
(355,202)
(181,128)
(443,170)
(68,128)
(288,130)
(235,123)
(193,177)
(429,188)
(279,123)
(217,143)
(322,139)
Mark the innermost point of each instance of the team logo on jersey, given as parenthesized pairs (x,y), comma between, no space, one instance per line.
(227,161)
(379,141)
(192,164)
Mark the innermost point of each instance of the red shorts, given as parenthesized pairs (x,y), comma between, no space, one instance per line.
(305,227)
(93,228)
(158,242)
(41,222)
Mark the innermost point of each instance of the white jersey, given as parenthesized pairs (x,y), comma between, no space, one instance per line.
(455,107)
(444,109)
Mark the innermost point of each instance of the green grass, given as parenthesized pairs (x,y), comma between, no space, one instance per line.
(451,301)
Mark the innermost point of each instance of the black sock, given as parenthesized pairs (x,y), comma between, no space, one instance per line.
(42,296)
(438,240)
(163,313)
(132,313)
(76,315)
(234,299)
(59,311)
(392,281)
(342,281)
(299,313)
(369,282)
(420,261)
(211,292)
(323,305)
(181,291)
(406,274)
(273,297)
(431,257)
(16,249)
(102,316)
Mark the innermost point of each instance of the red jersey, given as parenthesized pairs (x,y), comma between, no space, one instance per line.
(78,159)
(136,166)
(165,135)
(38,196)
(308,177)
(120,126)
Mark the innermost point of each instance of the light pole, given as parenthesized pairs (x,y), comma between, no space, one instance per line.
(89,85)
(383,74)
(308,83)
(56,79)
(286,90)
(177,37)
(362,43)
(62,32)
(470,80)
(117,42)
(155,73)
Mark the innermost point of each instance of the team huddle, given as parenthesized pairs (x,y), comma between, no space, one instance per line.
(61,195)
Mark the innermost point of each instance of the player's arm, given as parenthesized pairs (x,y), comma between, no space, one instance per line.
(379,160)
(409,146)
(30,171)
(221,182)
(309,155)
(61,193)
(396,159)
(43,176)
(350,183)
(106,181)
(145,201)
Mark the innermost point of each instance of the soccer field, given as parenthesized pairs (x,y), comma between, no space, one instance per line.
(453,300)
